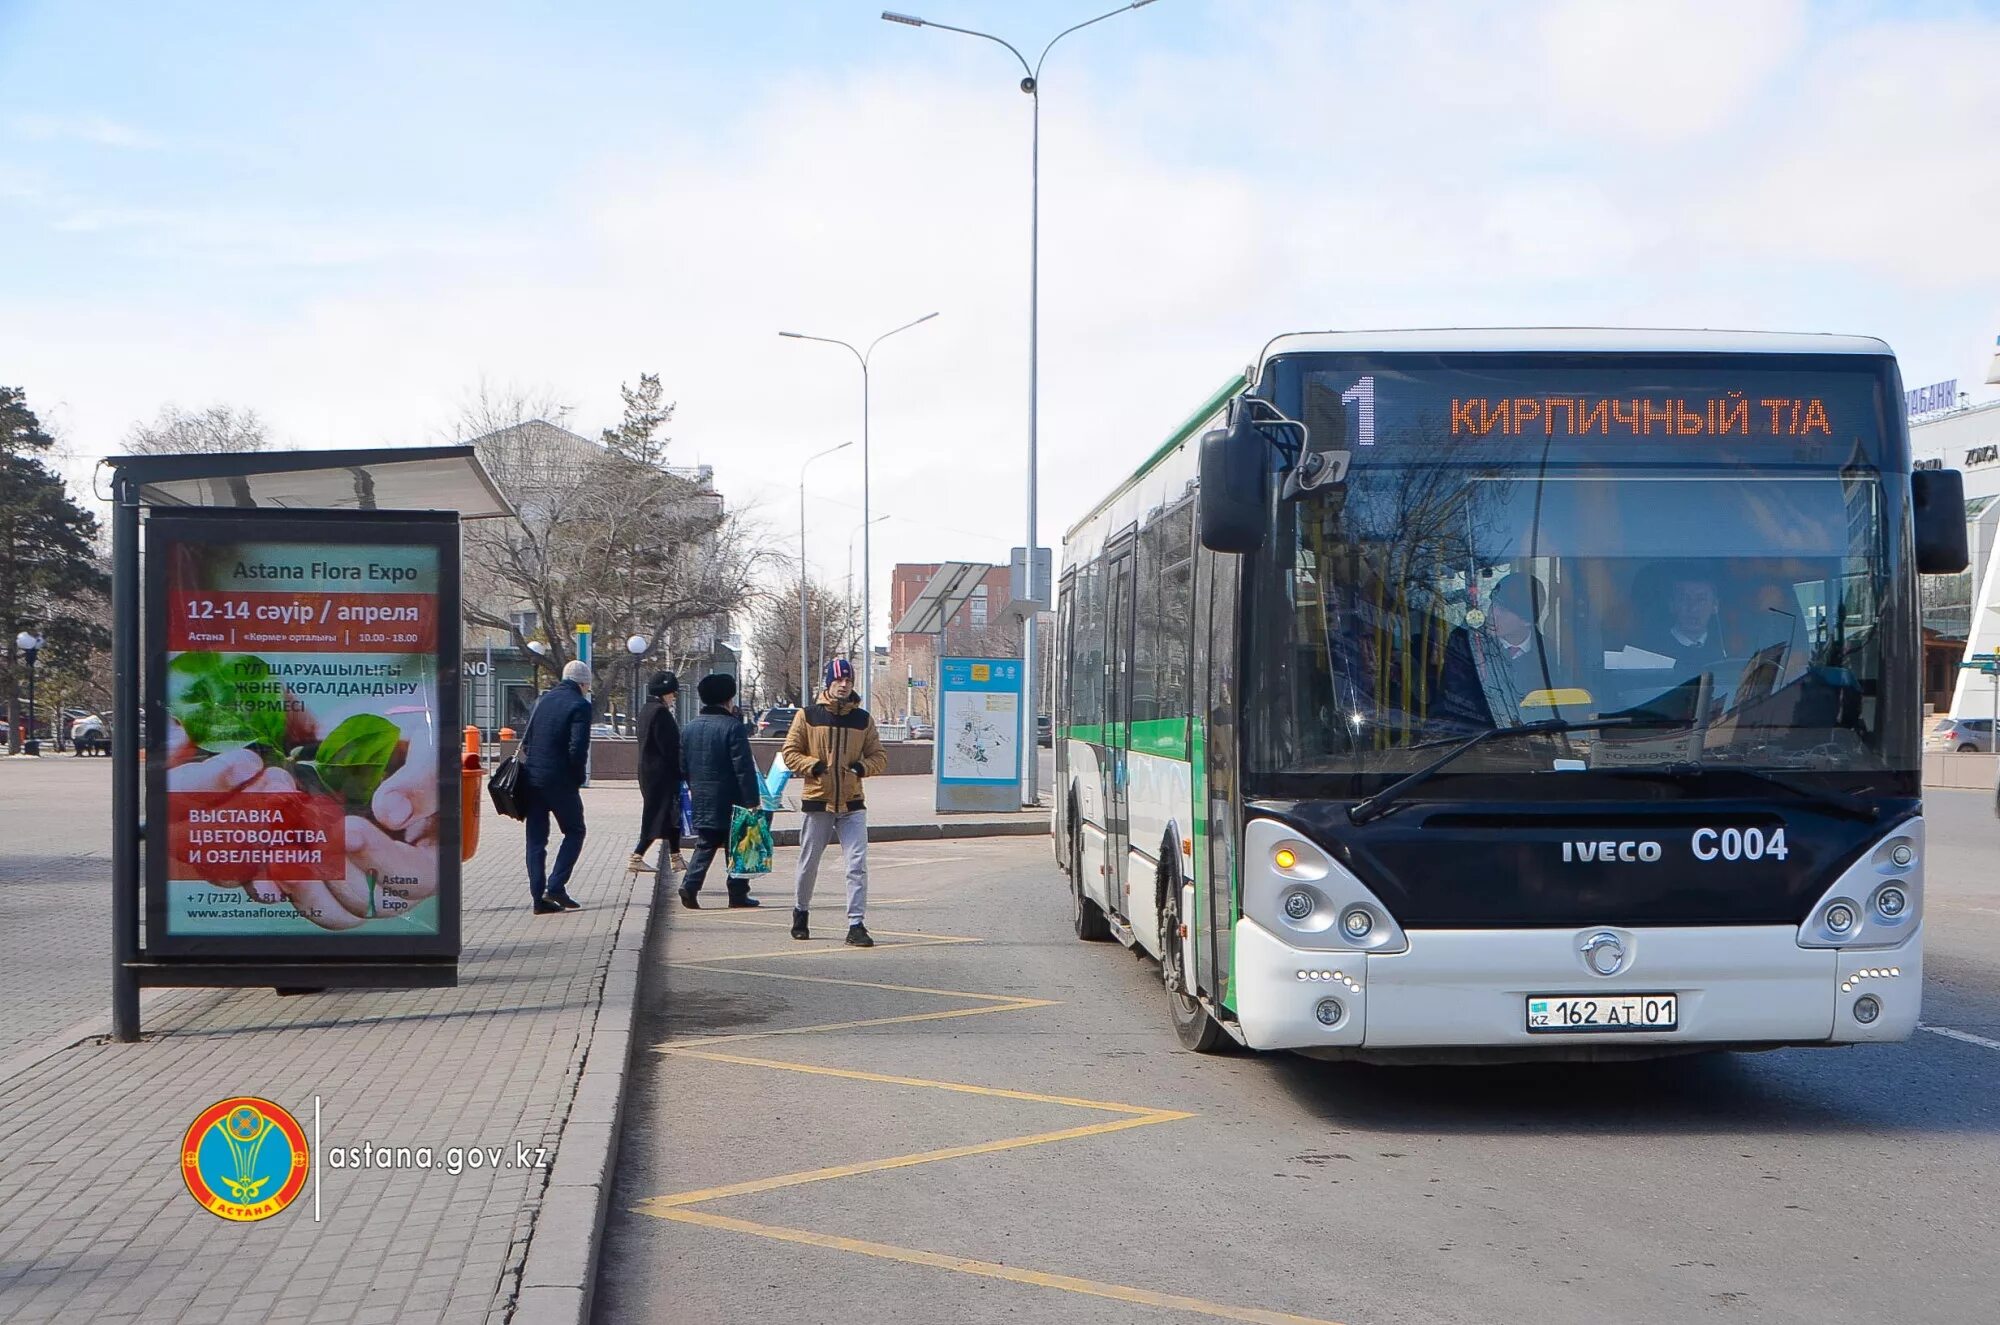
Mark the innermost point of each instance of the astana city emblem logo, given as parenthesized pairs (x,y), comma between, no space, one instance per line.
(244,1159)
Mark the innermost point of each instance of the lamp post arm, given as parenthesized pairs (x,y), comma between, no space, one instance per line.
(828,340)
(1036,72)
(885,335)
(998,41)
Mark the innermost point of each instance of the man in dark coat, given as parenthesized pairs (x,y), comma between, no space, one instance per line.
(721,775)
(659,773)
(555,755)
(1489,670)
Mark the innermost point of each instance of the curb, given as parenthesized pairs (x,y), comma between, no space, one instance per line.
(560,1269)
(789,837)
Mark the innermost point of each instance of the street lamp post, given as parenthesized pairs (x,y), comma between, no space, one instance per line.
(636,646)
(805,682)
(29,645)
(862,357)
(847,642)
(1032,85)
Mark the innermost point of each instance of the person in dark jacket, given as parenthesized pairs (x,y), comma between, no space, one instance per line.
(555,755)
(721,775)
(659,773)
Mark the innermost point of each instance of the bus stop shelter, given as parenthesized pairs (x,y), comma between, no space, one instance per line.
(245,589)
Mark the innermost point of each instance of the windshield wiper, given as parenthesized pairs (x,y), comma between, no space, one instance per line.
(1378,805)
(1842,803)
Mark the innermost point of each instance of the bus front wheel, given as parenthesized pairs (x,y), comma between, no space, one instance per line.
(1193,1027)
(1086,917)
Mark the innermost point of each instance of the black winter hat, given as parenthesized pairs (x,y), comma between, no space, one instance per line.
(717,688)
(663,683)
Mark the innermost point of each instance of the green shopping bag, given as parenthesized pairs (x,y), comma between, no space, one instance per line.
(749,843)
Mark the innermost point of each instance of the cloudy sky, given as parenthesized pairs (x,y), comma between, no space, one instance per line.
(348,215)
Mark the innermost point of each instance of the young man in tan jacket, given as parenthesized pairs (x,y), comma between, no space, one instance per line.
(831,747)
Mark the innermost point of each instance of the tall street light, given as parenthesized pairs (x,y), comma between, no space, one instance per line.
(1032,85)
(30,644)
(805,684)
(859,529)
(862,357)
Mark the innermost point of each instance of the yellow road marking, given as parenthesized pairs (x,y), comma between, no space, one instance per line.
(869,984)
(661,1204)
(1144,1297)
(824,948)
(786,924)
(961,1087)
(679,1206)
(683,1046)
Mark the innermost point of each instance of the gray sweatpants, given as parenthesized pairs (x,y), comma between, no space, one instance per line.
(821,827)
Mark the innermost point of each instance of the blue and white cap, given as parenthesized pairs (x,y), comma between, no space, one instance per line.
(838,670)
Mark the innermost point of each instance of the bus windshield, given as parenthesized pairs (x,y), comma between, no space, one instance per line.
(1732,607)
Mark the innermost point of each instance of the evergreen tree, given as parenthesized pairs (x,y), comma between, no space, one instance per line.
(49,573)
(637,437)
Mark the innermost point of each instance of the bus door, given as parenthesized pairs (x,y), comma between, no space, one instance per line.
(1117,720)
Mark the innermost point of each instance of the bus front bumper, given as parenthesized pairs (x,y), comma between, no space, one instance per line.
(1468,990)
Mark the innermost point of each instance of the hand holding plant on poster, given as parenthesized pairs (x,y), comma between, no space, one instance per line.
(234,726)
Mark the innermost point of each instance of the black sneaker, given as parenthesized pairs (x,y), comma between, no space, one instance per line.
(544,907)
(799,930)
(857,936)
(687,900)
(565,901)
(738,903)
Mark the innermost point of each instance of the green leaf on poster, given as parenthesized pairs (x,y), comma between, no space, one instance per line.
(227,701)
(355,757)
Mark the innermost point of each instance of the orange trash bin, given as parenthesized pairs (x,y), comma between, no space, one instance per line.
(471,781)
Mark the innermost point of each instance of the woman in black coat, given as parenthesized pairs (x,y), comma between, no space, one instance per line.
(659,773)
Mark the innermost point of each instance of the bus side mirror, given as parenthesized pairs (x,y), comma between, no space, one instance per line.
(1937,507)
(1234,473)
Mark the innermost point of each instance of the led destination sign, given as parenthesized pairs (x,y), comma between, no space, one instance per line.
(1382,405)
(1732,414)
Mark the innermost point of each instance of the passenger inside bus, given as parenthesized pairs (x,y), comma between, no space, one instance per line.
(1681,623)
(1490,667)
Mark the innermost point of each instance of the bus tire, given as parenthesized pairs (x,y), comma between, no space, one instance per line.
(1086,917)
(1193,1027)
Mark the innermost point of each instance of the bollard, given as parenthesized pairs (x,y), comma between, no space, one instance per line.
(506,735)
(471,781)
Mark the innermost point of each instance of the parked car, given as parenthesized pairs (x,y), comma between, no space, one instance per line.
(1044,730)
(777,720)
(1961,735)
(90,735)
(921,730)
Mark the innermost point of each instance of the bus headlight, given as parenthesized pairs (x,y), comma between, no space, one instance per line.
(1892,902)
(1840,918)
(1866,1009)
(1358,924)
(1329,1011)
(1298,903)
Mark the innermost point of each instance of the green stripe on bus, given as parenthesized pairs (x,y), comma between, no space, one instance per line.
(1161,736)
(1092,735)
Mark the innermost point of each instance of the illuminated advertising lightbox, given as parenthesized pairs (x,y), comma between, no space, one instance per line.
(301,717)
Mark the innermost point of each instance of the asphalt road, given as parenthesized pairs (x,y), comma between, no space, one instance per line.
(908,1135)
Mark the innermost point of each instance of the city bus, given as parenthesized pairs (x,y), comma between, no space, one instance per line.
(1487,695)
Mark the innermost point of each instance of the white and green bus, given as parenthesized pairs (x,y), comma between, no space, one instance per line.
(1475,694)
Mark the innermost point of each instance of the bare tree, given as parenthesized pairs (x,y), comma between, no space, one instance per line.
(176,431)
(629,547)
(833,625)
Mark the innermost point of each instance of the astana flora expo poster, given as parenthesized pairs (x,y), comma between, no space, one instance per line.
(303,787)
